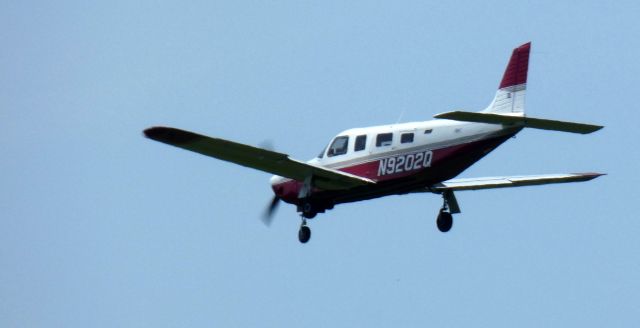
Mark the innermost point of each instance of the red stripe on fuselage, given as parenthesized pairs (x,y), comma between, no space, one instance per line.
(444,164)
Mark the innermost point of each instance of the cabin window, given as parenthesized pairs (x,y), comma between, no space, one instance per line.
(361,142)
(428,131)
(384,139)
(338,146)
(406,138)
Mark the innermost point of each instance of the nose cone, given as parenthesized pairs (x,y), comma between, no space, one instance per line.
(285,189)
(275,181)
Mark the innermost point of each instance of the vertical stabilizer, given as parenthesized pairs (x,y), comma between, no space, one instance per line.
(510,96)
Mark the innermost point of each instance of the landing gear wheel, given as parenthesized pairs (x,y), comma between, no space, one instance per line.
(304,234)
(444,221)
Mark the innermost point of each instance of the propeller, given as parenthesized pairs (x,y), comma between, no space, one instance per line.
(267,217)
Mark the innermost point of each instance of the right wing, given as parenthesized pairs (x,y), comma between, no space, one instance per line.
(512,181)
(257,158)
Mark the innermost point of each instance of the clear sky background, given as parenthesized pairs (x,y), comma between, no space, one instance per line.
(100,227)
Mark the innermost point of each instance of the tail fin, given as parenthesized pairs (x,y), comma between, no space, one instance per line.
(510,96)
(507,108)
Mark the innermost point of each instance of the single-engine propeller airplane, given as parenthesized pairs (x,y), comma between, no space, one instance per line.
(417,157)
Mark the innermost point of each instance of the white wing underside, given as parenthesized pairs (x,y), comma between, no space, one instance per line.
(510,181)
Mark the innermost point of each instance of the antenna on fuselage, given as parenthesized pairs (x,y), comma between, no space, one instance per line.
(400,117)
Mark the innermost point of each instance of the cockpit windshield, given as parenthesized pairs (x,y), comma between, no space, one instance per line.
(321,155)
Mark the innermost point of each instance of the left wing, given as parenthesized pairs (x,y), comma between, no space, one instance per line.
(257,158)
(513,181)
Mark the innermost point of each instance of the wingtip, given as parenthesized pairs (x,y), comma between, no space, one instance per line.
(169,135)
(591,175)
(151,132)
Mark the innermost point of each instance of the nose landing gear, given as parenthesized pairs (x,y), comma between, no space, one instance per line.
(307,210)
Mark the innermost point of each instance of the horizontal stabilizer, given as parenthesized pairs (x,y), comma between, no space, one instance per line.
(257,158)
(512,181)
(528,122)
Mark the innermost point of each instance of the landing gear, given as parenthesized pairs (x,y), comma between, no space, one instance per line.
(307,209)
(304,234)
(444,220)
(449,207)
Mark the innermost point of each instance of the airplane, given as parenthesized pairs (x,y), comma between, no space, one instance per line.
(417,157)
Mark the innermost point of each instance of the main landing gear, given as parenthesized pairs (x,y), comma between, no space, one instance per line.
(444,220)
(449,207)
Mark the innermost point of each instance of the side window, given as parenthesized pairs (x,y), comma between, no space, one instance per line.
(361,142)
(406,138)
(384,139)
(338,146)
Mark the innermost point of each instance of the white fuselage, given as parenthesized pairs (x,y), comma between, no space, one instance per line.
(427,136)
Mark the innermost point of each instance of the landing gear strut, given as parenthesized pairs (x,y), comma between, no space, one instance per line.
(307,208)
(304,234)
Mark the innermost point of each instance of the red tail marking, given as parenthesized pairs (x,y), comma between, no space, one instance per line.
(516,72)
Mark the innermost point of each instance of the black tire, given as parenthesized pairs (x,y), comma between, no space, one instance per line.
(444,221)
(304,234)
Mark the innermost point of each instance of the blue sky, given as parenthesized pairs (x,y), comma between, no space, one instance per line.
(102,227)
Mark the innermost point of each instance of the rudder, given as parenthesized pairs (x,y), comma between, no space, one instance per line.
(510,96)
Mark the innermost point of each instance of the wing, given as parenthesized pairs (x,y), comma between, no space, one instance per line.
(257,158)
(514,181)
